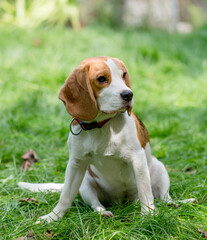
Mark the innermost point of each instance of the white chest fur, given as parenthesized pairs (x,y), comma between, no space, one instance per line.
(110,151)
(118,138)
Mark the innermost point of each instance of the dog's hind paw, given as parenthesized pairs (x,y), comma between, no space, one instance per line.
(178,203)
(189,200)
(47,218)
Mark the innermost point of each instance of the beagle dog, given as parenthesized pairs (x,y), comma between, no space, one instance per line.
(110,154)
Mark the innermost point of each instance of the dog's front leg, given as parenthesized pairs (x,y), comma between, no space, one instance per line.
(75,172)
(142,177)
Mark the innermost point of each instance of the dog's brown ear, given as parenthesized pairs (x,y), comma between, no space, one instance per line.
(77,95)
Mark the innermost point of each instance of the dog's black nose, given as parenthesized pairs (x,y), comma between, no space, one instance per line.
(127,95)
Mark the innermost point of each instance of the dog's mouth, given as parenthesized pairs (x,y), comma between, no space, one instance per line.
(127,107)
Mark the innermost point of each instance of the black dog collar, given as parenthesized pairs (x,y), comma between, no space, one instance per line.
(87,126)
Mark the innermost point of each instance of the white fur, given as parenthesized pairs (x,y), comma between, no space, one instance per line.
(109,99)
(125,170)
(41,187)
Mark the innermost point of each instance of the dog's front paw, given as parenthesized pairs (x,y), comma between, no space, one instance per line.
(103,212)
(48,218)
(107,213)
(148,209)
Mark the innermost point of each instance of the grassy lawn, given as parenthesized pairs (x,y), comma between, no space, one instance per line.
(169,81)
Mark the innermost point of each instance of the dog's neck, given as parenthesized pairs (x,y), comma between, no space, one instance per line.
(100,120)
(88,126)
(76,126)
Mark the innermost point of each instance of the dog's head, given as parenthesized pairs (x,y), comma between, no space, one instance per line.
(97,84)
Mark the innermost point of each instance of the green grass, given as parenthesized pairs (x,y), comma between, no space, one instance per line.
(169,80)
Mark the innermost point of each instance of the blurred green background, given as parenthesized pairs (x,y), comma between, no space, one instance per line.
(164,46)
(181,15)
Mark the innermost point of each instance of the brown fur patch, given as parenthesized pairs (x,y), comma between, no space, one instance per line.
(78,96)
(98,68)
(81,88)
(142,132)
(91,172)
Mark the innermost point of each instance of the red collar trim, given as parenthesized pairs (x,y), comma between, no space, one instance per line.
(88,126)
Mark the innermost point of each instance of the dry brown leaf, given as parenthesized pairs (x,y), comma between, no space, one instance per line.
(29,157)
(125,219)
(190,170)
(202,232)
(28,236)
(49,233)
(29,200)
(174,205)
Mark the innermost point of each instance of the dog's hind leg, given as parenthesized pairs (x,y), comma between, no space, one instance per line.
(159,180)
(161,184)
(90,193)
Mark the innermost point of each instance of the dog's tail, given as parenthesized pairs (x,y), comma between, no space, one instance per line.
(41,187)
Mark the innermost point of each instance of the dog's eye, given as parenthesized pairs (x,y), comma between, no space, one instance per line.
(124,75)
(102,79)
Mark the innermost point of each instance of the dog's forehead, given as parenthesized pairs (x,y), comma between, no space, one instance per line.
(114,66)
(98,64)
(95,62)
(102,63)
